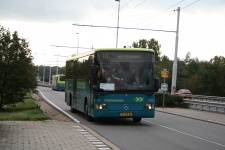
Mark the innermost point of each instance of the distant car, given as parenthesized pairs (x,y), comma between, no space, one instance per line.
(183,92)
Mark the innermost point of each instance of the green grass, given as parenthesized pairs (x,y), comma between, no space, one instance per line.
(27,111)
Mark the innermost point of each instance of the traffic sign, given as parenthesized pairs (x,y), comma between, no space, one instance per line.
(165,73)
(164,87)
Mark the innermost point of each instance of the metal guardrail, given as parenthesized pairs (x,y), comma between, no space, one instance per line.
(46,84)
(218,103)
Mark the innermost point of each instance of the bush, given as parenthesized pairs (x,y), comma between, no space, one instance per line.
(170,101)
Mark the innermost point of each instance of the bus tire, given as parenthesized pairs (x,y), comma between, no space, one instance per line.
(88,117)
(137,119)
(73,110)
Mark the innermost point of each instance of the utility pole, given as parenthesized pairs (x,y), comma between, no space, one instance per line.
(57,68)
(118,23)
(44,71)
(174,75)
(77,42)
(50,73)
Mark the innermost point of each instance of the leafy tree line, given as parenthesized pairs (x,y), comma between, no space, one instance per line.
(201,77)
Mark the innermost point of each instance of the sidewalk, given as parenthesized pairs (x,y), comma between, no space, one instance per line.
(60,133)
(69,135)
(51,134)
(218,118)
(41,135)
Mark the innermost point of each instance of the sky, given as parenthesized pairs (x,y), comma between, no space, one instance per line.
(48,26)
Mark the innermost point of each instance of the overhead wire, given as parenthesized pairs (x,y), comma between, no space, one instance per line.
(145,20)
(190,4)
(96,26)
(120,9)
(171,12)
(138,4)
(161,12)
(125,4)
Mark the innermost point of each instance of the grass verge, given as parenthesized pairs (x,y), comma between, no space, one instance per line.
(27,111)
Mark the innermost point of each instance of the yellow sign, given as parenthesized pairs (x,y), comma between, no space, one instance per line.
(165,73)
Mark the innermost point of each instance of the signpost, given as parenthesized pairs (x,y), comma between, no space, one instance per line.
(164,86)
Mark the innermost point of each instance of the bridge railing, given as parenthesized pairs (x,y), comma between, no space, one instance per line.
(202,101)
(46,84)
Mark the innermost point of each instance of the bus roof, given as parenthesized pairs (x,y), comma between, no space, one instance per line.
(57,75)
(74,56)
(124,49)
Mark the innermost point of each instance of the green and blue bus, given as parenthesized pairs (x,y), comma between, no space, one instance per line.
(58,82)
(112,82)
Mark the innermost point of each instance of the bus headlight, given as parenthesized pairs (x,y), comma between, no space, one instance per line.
(100,106)
(149,106)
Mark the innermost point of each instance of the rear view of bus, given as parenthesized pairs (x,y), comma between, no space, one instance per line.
(121,83)
(58,82)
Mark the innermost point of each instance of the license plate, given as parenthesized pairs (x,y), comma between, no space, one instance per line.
(126,114)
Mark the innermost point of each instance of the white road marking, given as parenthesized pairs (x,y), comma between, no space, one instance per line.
(185,133)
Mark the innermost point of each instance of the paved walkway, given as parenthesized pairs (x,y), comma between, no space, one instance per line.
(51,134)
(68,135)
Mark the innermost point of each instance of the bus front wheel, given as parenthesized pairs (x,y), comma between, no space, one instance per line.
(88,117)
(137,119)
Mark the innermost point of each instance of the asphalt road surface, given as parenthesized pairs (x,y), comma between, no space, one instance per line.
(164,132)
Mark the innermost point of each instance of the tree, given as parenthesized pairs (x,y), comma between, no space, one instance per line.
(17,73)
(214,77)
(151,44)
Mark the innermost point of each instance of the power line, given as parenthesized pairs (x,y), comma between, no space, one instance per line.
(120,9)
(161,12)
(95,26)
(125,4)
(71,47)
(135,6)
(138,4)
(170,8)
(190,4)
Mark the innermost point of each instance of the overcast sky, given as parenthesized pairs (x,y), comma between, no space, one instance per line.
(49,22)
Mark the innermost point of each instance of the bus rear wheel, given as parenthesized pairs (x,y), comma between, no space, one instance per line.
(88,117)
(137,119)
(73,110)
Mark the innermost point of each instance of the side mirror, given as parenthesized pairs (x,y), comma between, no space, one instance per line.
(93,71)
(157,84)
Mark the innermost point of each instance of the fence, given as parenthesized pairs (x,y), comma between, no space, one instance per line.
(211,103)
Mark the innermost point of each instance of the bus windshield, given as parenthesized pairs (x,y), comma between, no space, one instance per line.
(118,71)
(62,78)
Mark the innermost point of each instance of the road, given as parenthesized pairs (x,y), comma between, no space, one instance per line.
(165,131)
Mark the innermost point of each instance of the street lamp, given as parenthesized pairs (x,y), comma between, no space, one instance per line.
(50,73)
(118,22)
(44,71)
(57,69)
(77,41)
(38,68)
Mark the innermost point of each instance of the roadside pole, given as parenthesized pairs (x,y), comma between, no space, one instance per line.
(164,86)
(174,75)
